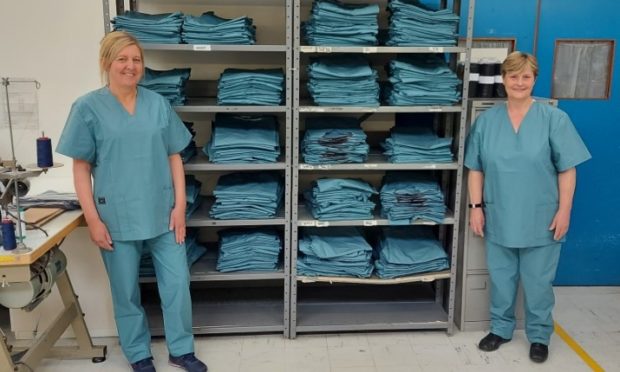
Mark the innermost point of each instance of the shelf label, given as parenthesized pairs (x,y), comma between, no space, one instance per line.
(322,224)
(370,223)
(323,49)
(325,166)
(371,165)
(314,109)
(306,223)
(306,166)
(369,50)
(202,48)
(427,223)
(430,166)
(435,109)
(435,49)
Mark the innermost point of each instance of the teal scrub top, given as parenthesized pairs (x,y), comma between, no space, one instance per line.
(133,188)
(521,171)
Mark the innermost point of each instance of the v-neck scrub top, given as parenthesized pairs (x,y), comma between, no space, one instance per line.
(129,153)
(521,171)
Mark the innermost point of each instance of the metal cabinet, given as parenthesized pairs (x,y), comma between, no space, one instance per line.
(237,302)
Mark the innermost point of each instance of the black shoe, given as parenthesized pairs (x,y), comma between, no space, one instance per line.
(539,352)
(491,342)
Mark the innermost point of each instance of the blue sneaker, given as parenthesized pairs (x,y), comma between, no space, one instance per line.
(188,362)
(144,365)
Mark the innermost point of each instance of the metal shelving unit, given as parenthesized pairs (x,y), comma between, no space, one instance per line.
(247,301)
(330,304)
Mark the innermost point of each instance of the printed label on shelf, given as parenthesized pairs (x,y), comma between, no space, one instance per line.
(426,223)
(202,47)
(323,49)
(321,224)
(430,166)
(436,49)
(314,109)
(306,223)
(325,166)
(369,50)
(371,165)
(370,223)
(435,109)
(306,166)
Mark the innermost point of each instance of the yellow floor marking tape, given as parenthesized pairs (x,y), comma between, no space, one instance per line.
(577,349)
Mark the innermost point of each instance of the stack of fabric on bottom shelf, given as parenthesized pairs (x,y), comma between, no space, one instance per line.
(193,249)
(247,195)
(252,250)
(333,140)
(334,251)
(407,251)
(340,199)
(406,197)
(417,144)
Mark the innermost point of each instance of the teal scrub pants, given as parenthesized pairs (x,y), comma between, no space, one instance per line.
(536,267)
(170,262)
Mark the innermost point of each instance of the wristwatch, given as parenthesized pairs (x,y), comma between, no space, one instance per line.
(475,205)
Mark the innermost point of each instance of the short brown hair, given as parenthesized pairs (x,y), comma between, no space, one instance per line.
(110,46)
(516,62)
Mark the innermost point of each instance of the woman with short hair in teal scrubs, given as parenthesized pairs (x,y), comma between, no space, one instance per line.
(521,156)
(128,139)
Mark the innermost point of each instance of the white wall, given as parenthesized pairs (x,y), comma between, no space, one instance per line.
(56,42)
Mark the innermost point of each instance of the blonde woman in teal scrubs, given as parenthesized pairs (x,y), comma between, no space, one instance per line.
(521,157)
(128,139)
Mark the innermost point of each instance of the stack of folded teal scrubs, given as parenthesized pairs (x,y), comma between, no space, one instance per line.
(243,139)
(332,199)
(190,150)
(343,80)
(248,249)
(247,195)
(333,140)
(415,24)
(169,83)
(424,79)
(407,251)
(193,249)
(251,87)
(192,194)
(212,29)
(334,251)
(417,144)
(151,28)
(335,23)
(407,197)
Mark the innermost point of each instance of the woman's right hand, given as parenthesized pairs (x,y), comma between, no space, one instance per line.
(476,221)
(99,235)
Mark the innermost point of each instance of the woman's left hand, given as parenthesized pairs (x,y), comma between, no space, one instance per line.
(177,223)
(560,223)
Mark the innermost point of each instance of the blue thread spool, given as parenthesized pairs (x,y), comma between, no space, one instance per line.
(8,235)
(44,152)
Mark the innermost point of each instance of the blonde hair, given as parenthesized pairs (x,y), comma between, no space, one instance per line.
(517,61)
(110,46)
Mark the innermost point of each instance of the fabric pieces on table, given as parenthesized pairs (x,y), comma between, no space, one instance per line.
(343,80)
(243,139)
(151,28)
(336,23)
(340,199)
(337,251)
(247,195)
(251,87)
(412,23)
(249,249)
(334,139)
(424,79)
(417,144)
(212,29)
(169,83)
(407,197)
(408,250)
